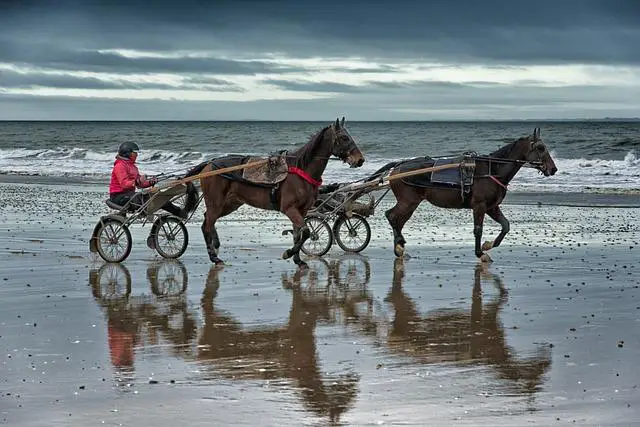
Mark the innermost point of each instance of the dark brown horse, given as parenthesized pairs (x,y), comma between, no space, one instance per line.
(488,189)
(223,194)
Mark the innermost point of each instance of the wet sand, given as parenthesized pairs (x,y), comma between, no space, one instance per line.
(546,335)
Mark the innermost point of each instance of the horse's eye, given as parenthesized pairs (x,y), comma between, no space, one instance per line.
(540,148)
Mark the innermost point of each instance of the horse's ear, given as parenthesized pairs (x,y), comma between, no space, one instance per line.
(342,122)
(337,123)
(538,135)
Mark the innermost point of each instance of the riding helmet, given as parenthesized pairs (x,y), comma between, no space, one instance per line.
(126,148)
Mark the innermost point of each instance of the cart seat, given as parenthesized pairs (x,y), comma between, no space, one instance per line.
(113,205)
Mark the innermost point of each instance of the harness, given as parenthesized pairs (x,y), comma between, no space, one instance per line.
(304,175)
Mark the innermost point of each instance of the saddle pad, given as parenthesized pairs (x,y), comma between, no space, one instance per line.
(272,172)
(420,180)
(237,175)
(447,176)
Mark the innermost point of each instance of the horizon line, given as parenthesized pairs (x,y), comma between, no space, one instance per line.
(594,119)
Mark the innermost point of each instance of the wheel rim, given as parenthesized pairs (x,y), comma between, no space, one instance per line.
(113,241)
(114,282)
(320,237)
(170,238)
(353,270)
(353,234)
(168,278)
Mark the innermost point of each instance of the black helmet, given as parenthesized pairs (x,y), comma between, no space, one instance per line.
(126,148)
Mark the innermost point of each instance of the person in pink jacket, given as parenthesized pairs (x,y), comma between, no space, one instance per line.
(125,178)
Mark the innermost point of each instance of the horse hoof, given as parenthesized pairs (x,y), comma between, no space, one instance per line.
(302,265)
(287,254)
(486,258)
(398,250)
(217,261)
(487,245)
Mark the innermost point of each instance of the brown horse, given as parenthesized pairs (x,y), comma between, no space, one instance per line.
(223,194)
(487,190)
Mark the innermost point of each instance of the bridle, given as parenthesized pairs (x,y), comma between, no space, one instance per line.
(535,164)
(345,152)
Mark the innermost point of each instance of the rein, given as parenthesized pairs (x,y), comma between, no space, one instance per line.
(497,181)
(500,160)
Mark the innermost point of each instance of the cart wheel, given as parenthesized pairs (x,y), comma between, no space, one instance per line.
(321,237)
(353,270)
(352,234)
(112,282)
(113,240)
(170,237)
(167,278)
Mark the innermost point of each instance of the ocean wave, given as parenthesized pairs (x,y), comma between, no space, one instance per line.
(573,174)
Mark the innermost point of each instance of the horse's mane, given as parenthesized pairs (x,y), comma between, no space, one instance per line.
(503,152)
(304,154)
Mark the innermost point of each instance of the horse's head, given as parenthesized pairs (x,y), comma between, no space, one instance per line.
(539,155)
(344,146)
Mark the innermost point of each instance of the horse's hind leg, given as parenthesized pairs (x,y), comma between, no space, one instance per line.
(211,235)
(300,234)
(497,215)
(398,215)
(209,230)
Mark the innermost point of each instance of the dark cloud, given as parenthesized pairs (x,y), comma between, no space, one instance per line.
(10,79)
(13,80)
(236,35)
(377,86)
(47,55)
(314,86)
(585,31)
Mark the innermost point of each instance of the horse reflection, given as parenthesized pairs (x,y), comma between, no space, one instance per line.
(286,351)
(463,336)
(133,322)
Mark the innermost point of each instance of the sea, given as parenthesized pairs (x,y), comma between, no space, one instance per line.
(591,156)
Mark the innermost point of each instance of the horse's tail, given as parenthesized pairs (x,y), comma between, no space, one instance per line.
(191,203)
(382,170)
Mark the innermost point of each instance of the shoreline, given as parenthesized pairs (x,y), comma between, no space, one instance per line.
(594,198)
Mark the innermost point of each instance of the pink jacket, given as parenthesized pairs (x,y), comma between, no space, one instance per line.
(125,176)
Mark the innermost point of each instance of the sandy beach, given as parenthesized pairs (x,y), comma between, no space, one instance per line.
(548,334)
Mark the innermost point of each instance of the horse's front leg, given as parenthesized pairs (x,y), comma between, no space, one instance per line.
(478,219)
(300,234)
(497,215)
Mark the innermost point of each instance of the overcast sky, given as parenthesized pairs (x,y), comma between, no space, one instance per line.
(315,60)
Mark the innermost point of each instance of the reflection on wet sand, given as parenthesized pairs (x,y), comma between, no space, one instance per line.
(331,293)
(324,293)
(134,321)
(474,336)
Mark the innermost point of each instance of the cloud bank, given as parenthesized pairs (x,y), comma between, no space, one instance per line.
(294,60)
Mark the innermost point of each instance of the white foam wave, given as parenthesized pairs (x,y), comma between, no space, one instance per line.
(573,174)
